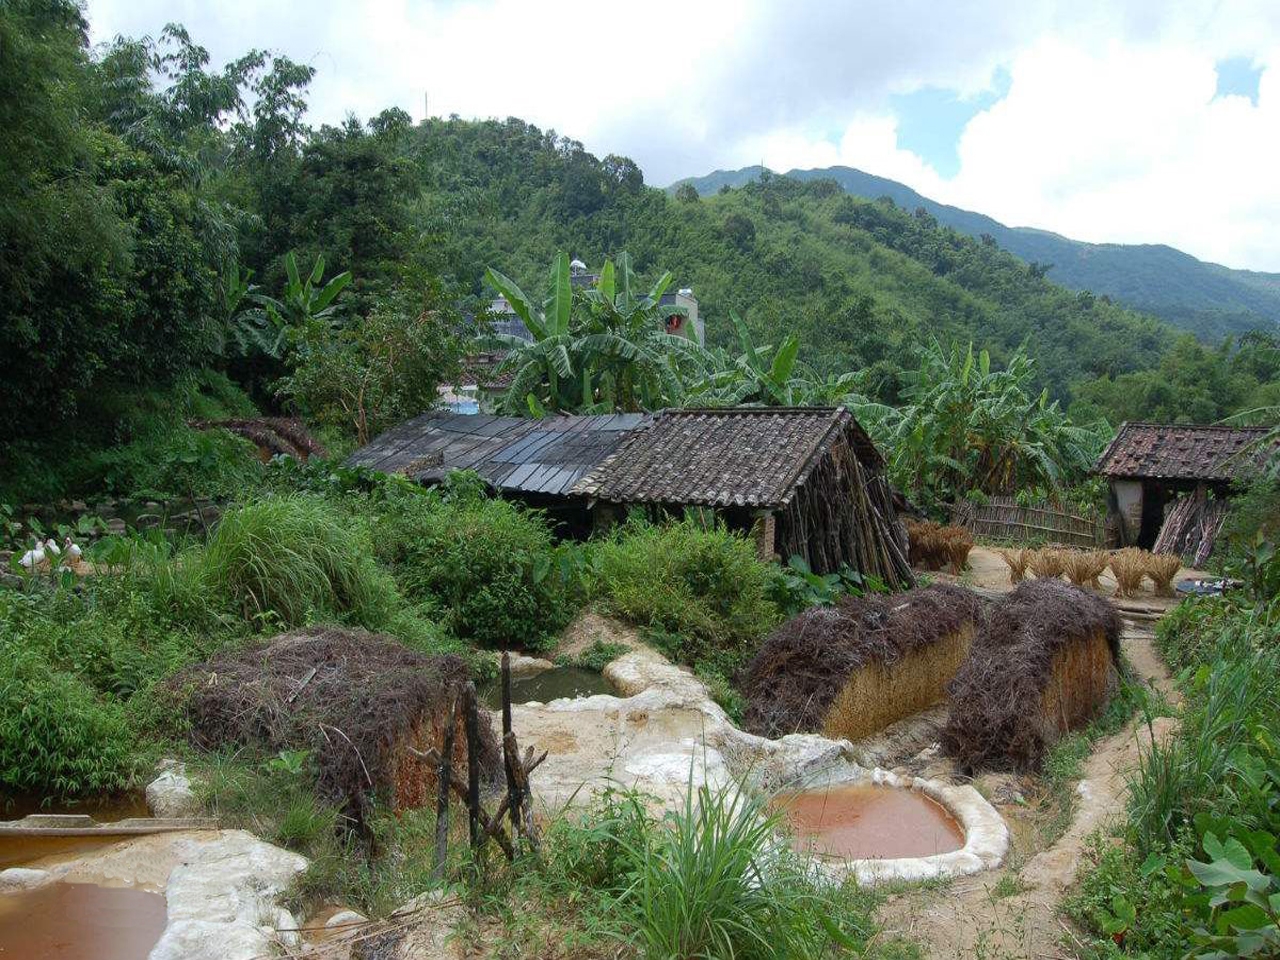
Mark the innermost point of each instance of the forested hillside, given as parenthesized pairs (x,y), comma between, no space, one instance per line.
(177,242)
(1211,301)
(863,283)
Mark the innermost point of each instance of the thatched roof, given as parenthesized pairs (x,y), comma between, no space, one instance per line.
(742,456)
(1175,451)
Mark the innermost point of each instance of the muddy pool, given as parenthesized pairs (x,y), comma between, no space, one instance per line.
(80,921)
(864,821)
(554,684)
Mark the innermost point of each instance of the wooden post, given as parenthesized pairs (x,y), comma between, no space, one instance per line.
(443,777)
(509,762)
(473,765)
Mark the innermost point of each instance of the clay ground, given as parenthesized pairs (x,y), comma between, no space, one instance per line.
(1014,913)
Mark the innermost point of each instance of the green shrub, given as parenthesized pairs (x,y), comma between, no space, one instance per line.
(703,588)
(57,737)
(137,443)
(486,563)
(284,561)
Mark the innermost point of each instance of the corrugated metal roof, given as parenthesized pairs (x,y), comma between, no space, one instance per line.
(745,456)
(517,454)
(1170,451)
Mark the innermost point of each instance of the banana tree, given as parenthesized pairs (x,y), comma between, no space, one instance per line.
(636,364)
(758,375)
(305,304)
(546,377)
(605,351)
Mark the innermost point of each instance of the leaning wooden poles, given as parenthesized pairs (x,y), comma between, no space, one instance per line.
(517,801)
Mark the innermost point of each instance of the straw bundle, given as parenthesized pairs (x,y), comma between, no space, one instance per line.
(1078,566)
(933,546)
(1129,566)
(959,542)
(1098,560)
(851,670)
(1044,665)
(1017,561)
(1161,568)
(1047,563)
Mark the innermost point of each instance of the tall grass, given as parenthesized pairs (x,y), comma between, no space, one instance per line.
(1210,768)
(713,879)
(285,560)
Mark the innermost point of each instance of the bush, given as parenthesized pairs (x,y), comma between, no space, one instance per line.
(703,590)
(285,561)
(57,738)
(487,563)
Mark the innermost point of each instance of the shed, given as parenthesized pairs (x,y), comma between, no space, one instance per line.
(808,480)
(1163,473)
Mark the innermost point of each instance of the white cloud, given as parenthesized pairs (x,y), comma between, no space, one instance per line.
(1109,130)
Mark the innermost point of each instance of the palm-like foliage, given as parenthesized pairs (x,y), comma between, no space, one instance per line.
(305,303)
(765,376)
(968,427)
(594,351)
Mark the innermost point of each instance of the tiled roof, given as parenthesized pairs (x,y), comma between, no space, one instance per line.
(745,456)
(1170,451)
(511,453)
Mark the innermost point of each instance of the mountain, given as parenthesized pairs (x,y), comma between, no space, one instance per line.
(862,283)
(1210,300)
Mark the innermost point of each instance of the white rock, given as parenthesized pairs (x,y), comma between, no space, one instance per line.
(522,666)
(171,794)
(221,898)
(17,879)
(344,917)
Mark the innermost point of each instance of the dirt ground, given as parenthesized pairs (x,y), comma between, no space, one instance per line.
(1014,912)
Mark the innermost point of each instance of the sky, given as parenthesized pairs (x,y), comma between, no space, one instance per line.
(1103,120)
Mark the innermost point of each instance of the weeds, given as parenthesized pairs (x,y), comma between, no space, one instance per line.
(284,561)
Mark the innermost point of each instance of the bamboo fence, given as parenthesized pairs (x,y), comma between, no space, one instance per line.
(1003,518)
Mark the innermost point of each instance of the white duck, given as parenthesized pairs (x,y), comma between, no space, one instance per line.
(34,557)
(51,548)
(72,550)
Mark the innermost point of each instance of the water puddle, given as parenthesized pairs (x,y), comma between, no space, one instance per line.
(857,822)
(24,850)
(553,684)
(104,810)
(80,921)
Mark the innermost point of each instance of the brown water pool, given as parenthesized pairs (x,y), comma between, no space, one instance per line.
(861,821)
(80,921)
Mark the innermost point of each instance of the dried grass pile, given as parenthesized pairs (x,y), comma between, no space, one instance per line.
(356,701)
(1017,561)
(1044,664)
(1047,563)
(1161,569)
(932,546)
(853,669)
(1129,567)
(1084,567)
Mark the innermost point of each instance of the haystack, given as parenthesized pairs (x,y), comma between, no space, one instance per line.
(933,546)
(853,669)
(356,701)
(1045,663)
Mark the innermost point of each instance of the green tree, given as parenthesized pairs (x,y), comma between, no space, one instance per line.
(600,350)
(967,426)
(366,376)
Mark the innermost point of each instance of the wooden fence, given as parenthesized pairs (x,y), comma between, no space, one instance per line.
(1003,518)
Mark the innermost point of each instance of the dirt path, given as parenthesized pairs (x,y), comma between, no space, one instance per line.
(1014,912)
